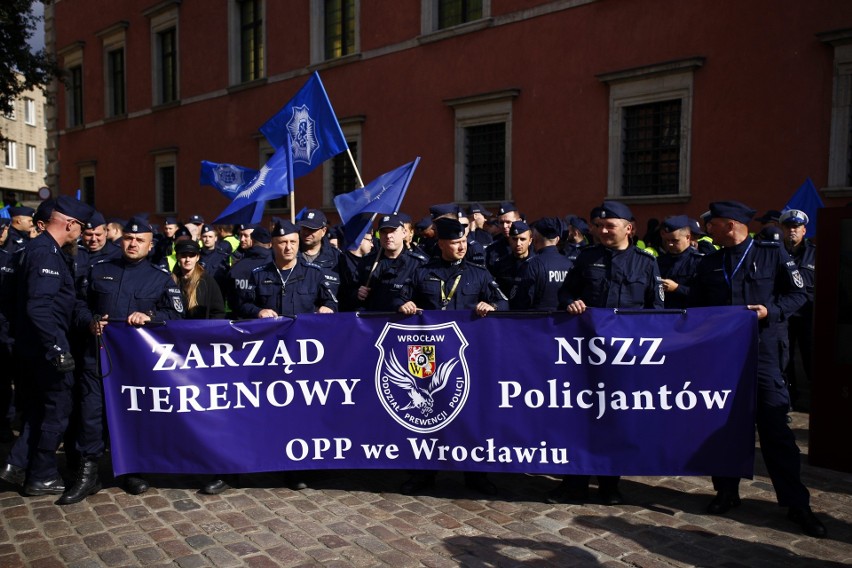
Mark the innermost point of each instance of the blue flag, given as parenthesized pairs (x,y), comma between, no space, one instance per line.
(229,179)
(274,180)
(807,199)
(312,125)
(4,213)
(382,195)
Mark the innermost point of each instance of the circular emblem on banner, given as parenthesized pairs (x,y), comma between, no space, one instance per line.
(422,377)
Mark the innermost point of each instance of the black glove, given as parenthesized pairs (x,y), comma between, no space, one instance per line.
(63,363)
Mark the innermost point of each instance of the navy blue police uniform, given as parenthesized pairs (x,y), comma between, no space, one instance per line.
(7,303)
(540,277)
(237,279)
(46,300)
(388,279)
(761,273)
(608,278)
(678,267)
(506,269)
(300,290)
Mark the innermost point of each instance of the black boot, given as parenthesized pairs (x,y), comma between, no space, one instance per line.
(87,483)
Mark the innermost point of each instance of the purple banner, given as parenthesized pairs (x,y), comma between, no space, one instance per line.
(610,393)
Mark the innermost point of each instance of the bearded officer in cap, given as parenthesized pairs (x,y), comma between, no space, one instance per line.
(45,301)
(611,274)
(449,282)
(763,278)
(130,289)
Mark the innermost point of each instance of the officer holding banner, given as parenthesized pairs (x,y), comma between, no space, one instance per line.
(612,274)
(129,289)
(762,277)
(449,282)
(46,299)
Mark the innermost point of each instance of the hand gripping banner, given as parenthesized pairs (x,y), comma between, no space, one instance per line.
(608,392)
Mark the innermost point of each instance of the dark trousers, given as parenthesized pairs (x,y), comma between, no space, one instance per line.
(91,429)
(46,413)
(777,442)
(800,338)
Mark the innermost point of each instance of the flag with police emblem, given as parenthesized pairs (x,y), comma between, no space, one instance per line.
(312,126)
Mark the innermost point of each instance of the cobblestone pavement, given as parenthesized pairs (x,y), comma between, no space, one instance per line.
(359,519)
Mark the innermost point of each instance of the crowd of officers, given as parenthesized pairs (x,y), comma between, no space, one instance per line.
(67,272)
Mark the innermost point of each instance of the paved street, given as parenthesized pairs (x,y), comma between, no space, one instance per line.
(359,519)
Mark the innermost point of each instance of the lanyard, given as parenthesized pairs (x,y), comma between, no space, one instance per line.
(729,279)
(445,298)
(283,280)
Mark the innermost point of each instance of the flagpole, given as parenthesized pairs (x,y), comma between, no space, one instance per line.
(355,166)
(292,199)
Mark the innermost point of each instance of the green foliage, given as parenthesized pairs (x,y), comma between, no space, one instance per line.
(21,69)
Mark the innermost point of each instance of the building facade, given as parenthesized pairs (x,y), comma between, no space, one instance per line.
(555,104)
(24,148)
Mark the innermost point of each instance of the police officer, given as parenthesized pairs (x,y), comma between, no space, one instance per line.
(611,274)
(449,282)
(506,269)
(762,277)
(7,303)
(500,248)
(700,240)
(384,272)
(679,260)
(313,227)
(575,236)
(255,245)
(803,251)
(130,289)
(540,278)
(21,229)
(45,297)
(477,215)
(94,245)
(350,259)
(288,285)
(214,259)
(475,251)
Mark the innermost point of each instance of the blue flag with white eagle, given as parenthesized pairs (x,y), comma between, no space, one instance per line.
(382,195)
(312,126)
(274,180)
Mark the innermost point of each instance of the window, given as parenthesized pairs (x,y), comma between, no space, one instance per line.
(165,170)
(649,130)
(443,14)
(247,41)
(31,158)
(339,28)
(483,146)
(115,82)
(164,52)
(11,154)
(455,12)
(87,183)
(74,91)
(10,114)
(840,143)
(29,111)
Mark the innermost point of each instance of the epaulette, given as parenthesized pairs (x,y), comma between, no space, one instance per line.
(767,244)
(312,265)
(645,251)
(162,269)
(417,255)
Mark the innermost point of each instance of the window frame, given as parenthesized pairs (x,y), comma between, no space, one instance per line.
(113,40)
(162,161)
(352,132)
(31,158)
(840,141)
(163,18)
(235,43)
(478,110)
(640,86)
(87,170)
(29,111)
(318,32)
(11,151)
(430,13)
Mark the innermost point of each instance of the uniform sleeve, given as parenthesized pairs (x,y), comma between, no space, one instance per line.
(654,295)
(171,304)
(43,281)
(572,287)
(790,293)
(245,303)
(523,292)
(495,296)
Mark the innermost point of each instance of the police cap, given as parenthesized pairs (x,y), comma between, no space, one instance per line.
(577,222)
(733,210)
(170,221)
(675,222)
(695,227)
(261,235)
(282,228)
(138,225)
(771,215)
(612,210)
(187,246)
(390,222)
(506,207)
(549,227)
(96,220)
(770,233)
(423,223)
(207,229)
(442,209)
(794,217)
(69,206)
(21,211)
(313,219)
(517,228)
(195,220)
(449,229)
(45,208)
(478,208)
(182,232)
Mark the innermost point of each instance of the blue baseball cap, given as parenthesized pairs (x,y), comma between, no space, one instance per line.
(517,228)
(675,222)
(733,210)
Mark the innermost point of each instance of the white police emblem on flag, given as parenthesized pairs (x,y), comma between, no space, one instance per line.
(422,401)
(304,140)
(228,177)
